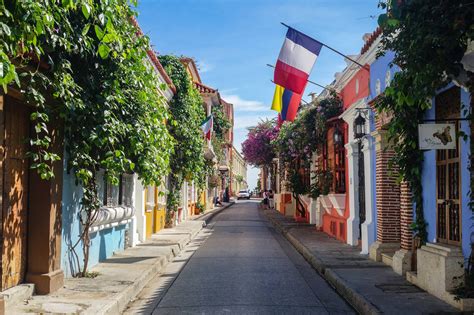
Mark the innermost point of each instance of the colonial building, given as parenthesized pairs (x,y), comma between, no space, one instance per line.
(212,98)
(239,172)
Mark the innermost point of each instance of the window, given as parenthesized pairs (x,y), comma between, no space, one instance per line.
(332,156)
(118,195)
(339,178)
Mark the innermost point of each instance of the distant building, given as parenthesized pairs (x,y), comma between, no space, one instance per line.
(239,172)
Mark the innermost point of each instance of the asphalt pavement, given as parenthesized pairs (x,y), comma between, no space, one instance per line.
(239,264)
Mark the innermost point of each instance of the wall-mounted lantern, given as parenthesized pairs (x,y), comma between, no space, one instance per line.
(359,127)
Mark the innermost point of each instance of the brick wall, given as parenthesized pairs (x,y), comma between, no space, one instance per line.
(406,216)
(387,198)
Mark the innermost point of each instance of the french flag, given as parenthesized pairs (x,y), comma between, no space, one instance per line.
(296,59)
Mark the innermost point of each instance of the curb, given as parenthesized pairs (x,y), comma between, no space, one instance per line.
(360,303)
(119,303)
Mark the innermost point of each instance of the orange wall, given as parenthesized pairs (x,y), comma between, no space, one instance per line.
(349,95)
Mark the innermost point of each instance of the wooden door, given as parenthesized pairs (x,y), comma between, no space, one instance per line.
(15,192)
(448,200)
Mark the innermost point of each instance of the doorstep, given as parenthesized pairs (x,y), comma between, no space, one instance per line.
(120,278)
(387,258)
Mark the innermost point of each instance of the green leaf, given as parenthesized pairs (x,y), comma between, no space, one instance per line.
(85,30)
(382,19)
(99,32)
(86,10)
(393,22)
(104,51)
(108,38)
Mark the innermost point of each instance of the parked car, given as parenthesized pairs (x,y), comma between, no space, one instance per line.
(243,194)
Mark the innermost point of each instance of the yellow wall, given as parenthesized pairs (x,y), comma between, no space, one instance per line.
(155,216)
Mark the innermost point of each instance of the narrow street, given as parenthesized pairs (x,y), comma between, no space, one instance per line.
(239,264)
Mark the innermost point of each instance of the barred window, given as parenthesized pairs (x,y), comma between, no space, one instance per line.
(121,194)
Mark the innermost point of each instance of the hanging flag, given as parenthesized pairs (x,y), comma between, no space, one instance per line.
(297,57)
(286,103)
(290,104)
(277,98)
(206,127)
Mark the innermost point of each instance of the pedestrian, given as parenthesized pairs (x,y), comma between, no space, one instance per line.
(271,202)
(265,198)
(217,202)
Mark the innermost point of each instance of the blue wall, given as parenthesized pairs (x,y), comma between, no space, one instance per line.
(429,183)
(467,228)
(378,70)
(103,243)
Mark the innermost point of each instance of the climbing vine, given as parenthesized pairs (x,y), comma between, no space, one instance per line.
(220,127)
(82,63)
(429,40)
(186,114)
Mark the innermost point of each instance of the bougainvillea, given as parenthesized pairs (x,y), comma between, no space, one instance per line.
(298,140)
(257,148)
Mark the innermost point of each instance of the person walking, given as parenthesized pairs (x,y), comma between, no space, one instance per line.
(265,198)
(271,202)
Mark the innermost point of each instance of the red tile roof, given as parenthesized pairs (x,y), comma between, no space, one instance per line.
(371,40)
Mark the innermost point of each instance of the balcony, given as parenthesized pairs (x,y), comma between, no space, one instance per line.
(209,153)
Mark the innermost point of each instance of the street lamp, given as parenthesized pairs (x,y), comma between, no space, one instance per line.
(359,133)
(359,126)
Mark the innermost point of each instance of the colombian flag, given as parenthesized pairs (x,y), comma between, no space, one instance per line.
(286,102)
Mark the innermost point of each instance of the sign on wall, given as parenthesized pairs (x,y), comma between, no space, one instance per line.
(437,136)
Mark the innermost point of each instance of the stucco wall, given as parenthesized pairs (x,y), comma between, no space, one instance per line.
(103,243)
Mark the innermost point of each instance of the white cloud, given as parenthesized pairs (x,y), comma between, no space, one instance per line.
(242,121)
(242,105)
(205,67)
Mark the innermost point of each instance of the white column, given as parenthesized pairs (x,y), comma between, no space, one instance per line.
(353,170)
(368,227)
(139,222)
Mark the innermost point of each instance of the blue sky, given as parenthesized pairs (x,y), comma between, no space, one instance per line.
(232,41)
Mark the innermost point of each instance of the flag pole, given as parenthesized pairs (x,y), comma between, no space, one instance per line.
(329,47)
(312,82)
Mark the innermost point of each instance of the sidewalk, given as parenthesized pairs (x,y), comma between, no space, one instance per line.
(370,287)
(120,278)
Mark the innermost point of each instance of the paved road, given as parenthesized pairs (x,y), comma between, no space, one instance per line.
(239,265)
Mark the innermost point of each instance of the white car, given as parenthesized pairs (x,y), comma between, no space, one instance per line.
(243,194)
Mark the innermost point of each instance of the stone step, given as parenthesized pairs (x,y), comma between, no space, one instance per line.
(17,295)
(387,258)
(412,277)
